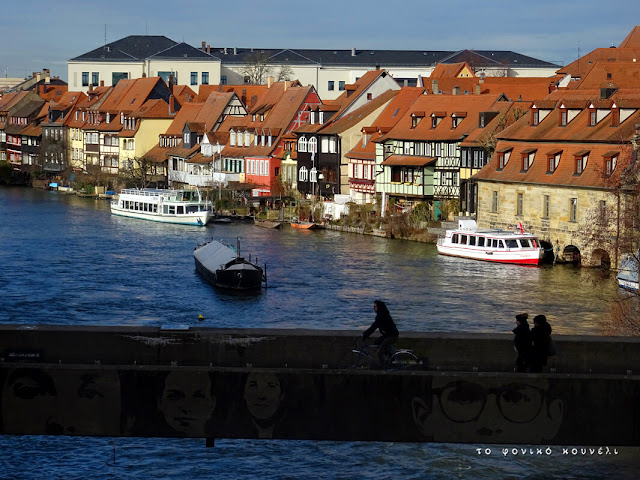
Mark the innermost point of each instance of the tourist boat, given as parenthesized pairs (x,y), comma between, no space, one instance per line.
(628,272)
(303,225)
(501,246)
(185,207)
(266,223)
(223,267)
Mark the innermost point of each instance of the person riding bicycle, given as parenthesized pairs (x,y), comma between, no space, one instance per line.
(388,330)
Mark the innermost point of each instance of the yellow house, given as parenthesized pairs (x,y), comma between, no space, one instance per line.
(141,128)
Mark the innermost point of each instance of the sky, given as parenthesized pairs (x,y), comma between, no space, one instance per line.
(39,34)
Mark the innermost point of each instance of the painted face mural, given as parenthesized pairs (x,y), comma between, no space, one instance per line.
(63,403)
(497,410)
(187,402)
(263,396)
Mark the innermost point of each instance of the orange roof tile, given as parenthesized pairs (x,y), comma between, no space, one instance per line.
(632,40)
(409,160)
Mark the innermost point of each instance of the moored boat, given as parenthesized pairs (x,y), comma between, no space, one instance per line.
(628,272)
(492,245)
(185,207)
(223,267)
(303,225)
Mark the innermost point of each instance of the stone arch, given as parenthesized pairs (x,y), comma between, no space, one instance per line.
(600,258)
(571,254)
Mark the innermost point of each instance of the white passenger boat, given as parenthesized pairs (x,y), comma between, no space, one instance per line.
(500,246)
(628,272)
(185,207)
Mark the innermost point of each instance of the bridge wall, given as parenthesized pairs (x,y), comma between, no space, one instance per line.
(286,384)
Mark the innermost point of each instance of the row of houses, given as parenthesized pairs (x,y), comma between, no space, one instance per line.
(541,151)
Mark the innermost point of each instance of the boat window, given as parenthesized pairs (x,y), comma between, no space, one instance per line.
(165,209)
(136,207)
(463,239)
(500,244)
(180,209)
(481,241)
(512,243)
(454,238)
(524,243)
(494,243)
(172,210)
(155,208)
(472,240)
(535,244)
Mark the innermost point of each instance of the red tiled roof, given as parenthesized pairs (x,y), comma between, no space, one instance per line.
(632,40)
(565,173)
(157,108)
(187,113)
(359,115)
(449,70)
(157,154)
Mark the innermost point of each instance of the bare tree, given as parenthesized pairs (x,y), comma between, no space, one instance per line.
(285,73)
(136,171)
(257,69)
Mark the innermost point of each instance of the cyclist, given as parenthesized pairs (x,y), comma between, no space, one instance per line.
(388,330)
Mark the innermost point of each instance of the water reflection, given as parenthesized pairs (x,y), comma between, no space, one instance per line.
(78,264)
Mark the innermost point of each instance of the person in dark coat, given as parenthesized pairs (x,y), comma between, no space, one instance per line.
(540,335)
(522,342)
(388,330)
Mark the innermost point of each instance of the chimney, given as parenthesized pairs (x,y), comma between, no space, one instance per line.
(170,82)
(235,51)
(102,83)
(434,86)
(204,46)
(478,89)
(91,86)
(456,90)
(353,52)
(287,84)
(209,49)
(172,105)
(220,88)
(144,75)
(270,81)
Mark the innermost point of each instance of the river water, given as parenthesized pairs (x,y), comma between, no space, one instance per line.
(67,260)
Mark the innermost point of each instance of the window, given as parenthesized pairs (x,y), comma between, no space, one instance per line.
(438,149)
(573,210)
(341,85)
(324,145)
(455,121)
(546,203)
(520,204)
(396,174)
(563,118)
(303,174)
(407,148)
(332,145)
(554,161)
(232,138)
(536,117)
(434,122)
(247,138)
(205,78)
(223,79)
(369,96)
(330,85)
(592,118)
(313,178)
(313,145)
(117,76)
(494,201)
(194,78)
(464,159)
(610,164)
(85,79)
(95,78)
(581,162)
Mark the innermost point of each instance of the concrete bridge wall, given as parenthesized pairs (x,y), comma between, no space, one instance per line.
(285,384)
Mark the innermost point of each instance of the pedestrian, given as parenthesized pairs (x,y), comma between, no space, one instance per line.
(522,342)
(388,330)
(540,337)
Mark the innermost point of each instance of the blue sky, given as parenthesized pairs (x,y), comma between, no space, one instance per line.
(44,34)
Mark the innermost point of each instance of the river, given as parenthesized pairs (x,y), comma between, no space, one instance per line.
(67,260)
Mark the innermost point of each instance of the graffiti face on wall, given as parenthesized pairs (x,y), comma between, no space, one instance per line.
(263,397)
(496,410)
(39,401)
(187,402)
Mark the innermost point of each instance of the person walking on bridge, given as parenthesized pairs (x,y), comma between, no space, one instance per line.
(388,330)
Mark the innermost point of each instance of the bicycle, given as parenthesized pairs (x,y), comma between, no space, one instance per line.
(360,358)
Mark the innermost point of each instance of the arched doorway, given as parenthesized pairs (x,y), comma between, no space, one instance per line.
(571,254)
(601,259)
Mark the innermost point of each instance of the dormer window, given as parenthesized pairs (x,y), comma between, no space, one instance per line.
(610,162)
(535,118)
(312,117)
(503,157)
(563,117)
(528,156)
(434,122)
(262,117)
(253,117)
(122,118)
(185,138)
(321,119)
(232,138)
(247,138)
(581,159)
(553,160)
(77,115)
(415,121)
